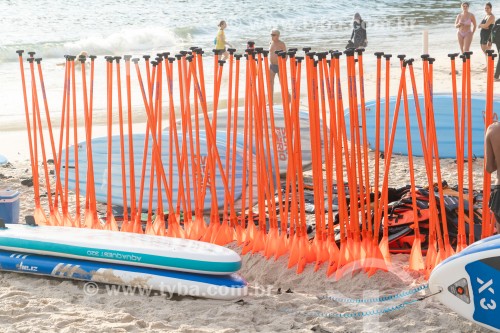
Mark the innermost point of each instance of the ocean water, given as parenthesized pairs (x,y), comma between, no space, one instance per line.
(53,28)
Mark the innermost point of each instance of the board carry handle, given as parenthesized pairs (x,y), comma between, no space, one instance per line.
(30,220)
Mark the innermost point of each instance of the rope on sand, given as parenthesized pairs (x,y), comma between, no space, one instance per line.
(375,312)
(376,299)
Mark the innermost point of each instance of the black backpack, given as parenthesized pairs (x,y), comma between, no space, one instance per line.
(495,33)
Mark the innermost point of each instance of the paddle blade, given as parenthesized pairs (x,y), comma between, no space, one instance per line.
(431,257)
(40,217)
(111,223)
(383,250)
(303,254)
(67,222)
(282,246)
(224,235)
(272,239)
(259,243)
(159,225)
(416,258)
(294,253)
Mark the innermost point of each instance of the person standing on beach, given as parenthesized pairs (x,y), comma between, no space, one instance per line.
(464,22)
(495,39)
(492,161)
(486,26)
(358,36)
(220,40)
(275,45)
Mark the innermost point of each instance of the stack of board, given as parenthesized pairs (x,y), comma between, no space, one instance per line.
(173,265)
(468,282)
(443,107)
(100,160)
(100,166)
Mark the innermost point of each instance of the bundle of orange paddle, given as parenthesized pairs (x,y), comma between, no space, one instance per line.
(269,217)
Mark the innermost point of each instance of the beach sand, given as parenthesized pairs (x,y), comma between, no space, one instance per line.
(34,304)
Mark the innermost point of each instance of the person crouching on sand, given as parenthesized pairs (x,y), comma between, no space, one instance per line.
(464,22)
(492,161)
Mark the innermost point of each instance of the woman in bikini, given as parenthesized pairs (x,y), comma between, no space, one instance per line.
(486,25)
(466,25)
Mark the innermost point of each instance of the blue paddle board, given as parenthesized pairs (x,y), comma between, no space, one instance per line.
(139,278)
(444,120)
(100,167)
(3,160)
(282,146)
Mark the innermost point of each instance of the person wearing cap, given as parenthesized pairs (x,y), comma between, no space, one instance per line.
(275,45)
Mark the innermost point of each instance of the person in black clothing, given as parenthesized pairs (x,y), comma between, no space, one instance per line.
(495,39)
(486,27)
(358,36)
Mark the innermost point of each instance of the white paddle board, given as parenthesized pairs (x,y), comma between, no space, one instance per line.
(121,248)
(469,283)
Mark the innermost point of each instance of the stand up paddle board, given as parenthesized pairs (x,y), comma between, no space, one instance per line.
(469,283)
(144,279)
(100,166)
(3,160)
(121,248)
(444,120)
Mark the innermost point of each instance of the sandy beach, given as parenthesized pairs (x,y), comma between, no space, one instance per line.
(279,300)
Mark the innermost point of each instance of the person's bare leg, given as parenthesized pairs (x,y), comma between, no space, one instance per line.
(272,74)
(498,223)
(467,42)
(289,96)
(460,42)
(485,47)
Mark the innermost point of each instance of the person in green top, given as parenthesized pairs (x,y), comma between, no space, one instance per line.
(221,42)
